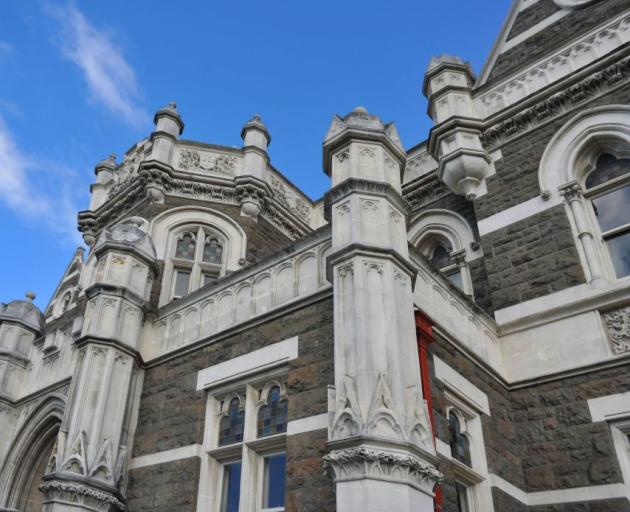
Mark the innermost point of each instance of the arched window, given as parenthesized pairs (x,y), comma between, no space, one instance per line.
(272,417)
(441,254)
(608,188)
(232,424)
(460,448)
(197,259)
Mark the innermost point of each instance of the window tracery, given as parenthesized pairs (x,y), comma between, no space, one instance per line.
(272,416)
(232,423)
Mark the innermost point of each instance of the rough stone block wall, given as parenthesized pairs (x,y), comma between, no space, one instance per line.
(516,178)
(560,446)
(531,16)
(539,438)
(168,487)
(172,412)
(531,258)
(555,36)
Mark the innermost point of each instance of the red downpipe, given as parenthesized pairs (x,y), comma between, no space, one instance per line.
(424,337)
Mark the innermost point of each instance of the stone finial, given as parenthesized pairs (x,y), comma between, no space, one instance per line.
(255,124)
(107,164)
(167,119)
(30,296)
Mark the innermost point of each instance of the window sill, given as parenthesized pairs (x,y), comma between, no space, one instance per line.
(269,444)
(227,453)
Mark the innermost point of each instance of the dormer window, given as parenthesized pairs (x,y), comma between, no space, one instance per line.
(197,259)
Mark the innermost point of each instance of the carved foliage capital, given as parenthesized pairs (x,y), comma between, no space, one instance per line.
(81,494)
(363,462)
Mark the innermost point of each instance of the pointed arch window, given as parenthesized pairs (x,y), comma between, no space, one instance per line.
(197,259)
(441,254)
(272,417)
(607,186)
(460,448)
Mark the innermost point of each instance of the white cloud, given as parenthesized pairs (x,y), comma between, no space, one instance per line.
(25,188)
(6,48)
(110,78)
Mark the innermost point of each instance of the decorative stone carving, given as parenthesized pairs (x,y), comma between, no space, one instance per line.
(568,60)
(558,104)
(356,463)
(81,495)
(618,327)
(192,160)
(291,201)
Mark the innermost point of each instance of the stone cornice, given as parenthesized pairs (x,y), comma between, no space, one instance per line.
(593,86)
(359,186)
(67,490)
(565,62)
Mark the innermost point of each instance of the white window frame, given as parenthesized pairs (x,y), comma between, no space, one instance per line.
(597,192)
(251,451)
(197,267)
(621,439)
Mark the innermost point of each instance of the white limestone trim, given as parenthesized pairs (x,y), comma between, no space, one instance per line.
(559,496)
(526,3)
(443,449)
(447,224)
(153,459)
(257,361)
(508,488)
(534,30)
(460,386)
(567,60)
(515,214)
(610,407)
(303,425)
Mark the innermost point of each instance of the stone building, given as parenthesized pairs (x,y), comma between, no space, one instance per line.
(447,328)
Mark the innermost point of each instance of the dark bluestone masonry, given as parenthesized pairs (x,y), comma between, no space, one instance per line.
(447,329)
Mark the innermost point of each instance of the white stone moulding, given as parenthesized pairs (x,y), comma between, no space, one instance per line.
(461,386)
(295,277)
(200,160)
(271,356)
(610,407)
(563,63)
(455,316)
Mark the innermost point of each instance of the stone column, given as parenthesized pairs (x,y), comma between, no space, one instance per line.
(87,469)
(380,439)
(104,171)
(573,196)
(251,188)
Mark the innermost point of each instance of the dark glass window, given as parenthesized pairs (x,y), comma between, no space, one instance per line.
(441,255)
(231,426)
(272,417)
(462,498)
(186,247)
(182,282)
(209,277)
(231,487)
(275,470)
(212,251)
(607,168)
(459,443)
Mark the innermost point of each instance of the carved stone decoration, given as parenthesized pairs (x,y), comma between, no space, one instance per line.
(292,202)
(191,160)
(427,192)
(81,495)
(618,327)
(558,104)
(355,463)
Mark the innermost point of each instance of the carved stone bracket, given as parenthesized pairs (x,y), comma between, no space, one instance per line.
(363,462)
(252,195)
(81,494)
(618,327)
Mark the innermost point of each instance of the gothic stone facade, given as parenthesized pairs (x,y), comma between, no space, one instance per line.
(448,328)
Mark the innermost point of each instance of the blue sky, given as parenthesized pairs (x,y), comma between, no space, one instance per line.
(81,80)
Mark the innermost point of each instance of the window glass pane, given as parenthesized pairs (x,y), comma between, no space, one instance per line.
(613,209)
(458,441)
(456,279)
(231,426)
(272,418)
(186,247)
(212,251)
(462,498)
(619,249)
(606,169)
(441,257)
(275,468)
(182,280)
(231,487)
